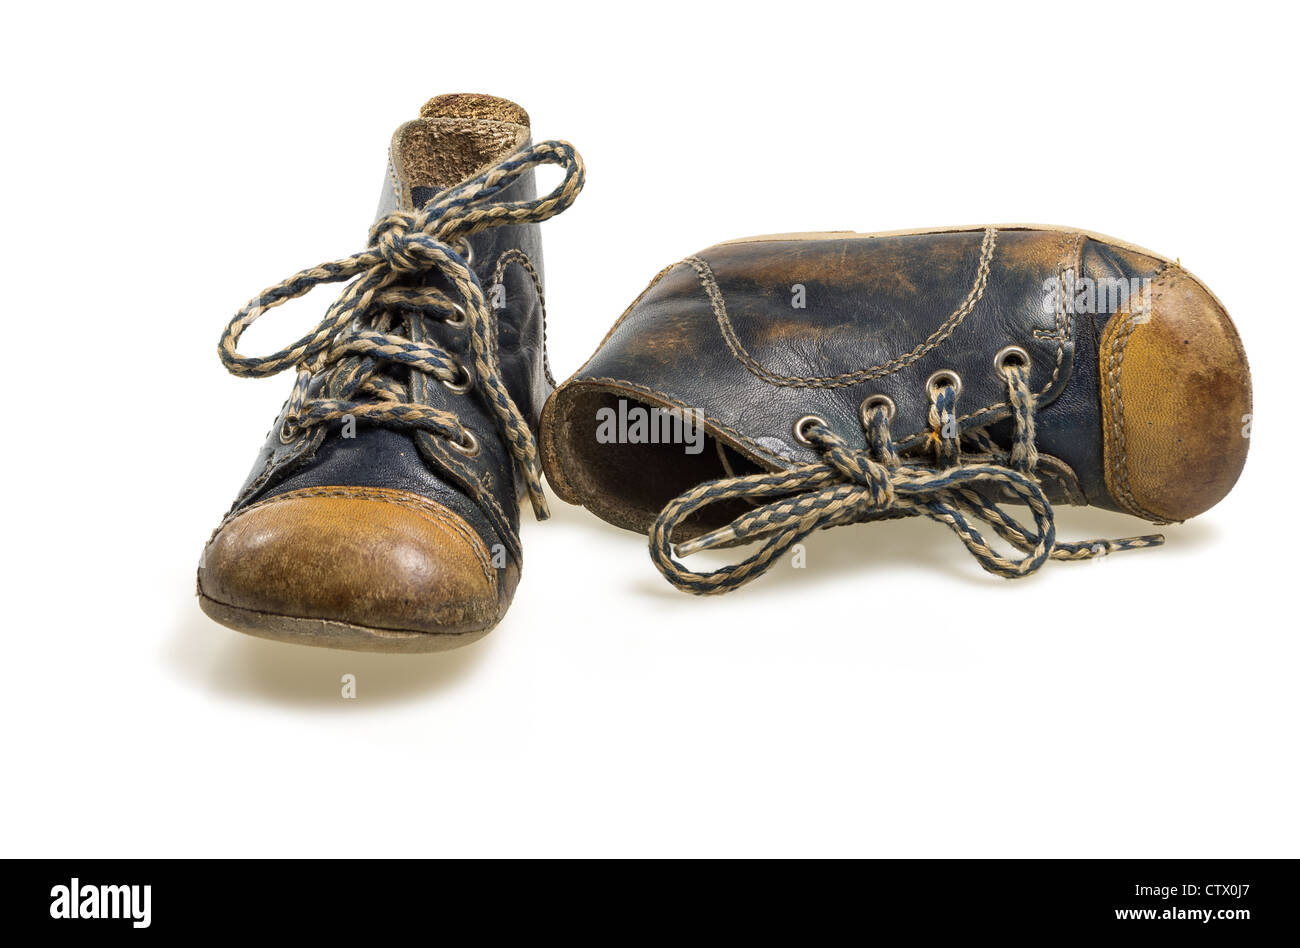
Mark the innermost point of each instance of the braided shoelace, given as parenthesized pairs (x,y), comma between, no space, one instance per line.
(354,343)
(849,486)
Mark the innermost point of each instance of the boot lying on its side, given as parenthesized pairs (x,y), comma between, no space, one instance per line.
(840,377)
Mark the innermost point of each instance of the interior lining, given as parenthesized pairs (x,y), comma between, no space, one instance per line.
(629,484)
(443,152)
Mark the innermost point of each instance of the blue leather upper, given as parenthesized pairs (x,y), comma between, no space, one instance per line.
(483,490)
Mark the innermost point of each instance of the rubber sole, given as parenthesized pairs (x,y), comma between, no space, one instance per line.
(323,633)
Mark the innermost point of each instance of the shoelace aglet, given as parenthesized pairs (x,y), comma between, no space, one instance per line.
(1133,543)
(705,541)
(1088,549)
(541,510)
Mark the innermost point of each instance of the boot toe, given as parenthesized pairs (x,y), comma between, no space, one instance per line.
(1176,401)
(367,568)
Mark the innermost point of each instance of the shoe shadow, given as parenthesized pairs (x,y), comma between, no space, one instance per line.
(240,667)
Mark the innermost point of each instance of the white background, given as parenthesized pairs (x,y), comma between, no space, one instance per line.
(162,166)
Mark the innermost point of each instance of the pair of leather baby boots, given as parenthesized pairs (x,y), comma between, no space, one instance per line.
(754,393)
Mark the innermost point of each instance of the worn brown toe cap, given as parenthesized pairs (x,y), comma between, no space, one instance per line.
(1176,401)
(372,558)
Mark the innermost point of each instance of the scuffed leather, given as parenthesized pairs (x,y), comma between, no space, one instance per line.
(310,552)
(483,490)
(1176,401)
(718,333)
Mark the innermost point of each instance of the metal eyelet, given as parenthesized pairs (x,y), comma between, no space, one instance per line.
(464,385)
(803,423)
(941,378)
(1010,355)
(874,401)
(467,444)
(463,247)
(460,319)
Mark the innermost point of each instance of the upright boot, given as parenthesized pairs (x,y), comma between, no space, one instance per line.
(382,513)
(766,388)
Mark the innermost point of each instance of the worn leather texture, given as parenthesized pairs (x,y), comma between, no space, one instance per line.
(346,528)
(1176,401)
(719,333)
(508,256)
(308,553)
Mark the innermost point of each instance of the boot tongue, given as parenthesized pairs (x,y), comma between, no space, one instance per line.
(455,137)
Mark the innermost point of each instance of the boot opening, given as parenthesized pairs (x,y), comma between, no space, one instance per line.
(624,459)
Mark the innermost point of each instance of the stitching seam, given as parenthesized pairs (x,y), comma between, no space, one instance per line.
(711,289)
(1118,439)
(1070,244)
(515,255)
(274,464)
(627,312)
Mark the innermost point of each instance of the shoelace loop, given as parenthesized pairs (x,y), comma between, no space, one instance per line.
(352,343)
(849,485)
